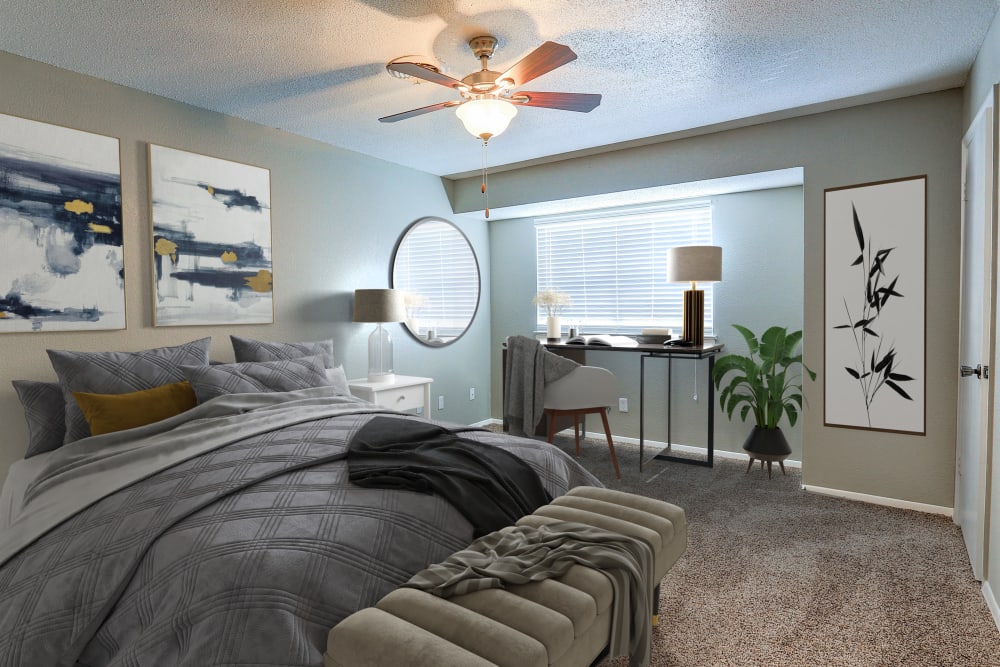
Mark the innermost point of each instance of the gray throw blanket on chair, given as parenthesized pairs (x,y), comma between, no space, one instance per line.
(523,554)
(529,368)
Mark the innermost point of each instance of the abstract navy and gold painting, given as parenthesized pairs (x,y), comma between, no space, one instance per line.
(61,262)
(211,239)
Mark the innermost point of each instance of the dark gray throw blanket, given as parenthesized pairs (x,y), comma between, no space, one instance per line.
(529,368)
(522,554)
(244,554)
(490,487)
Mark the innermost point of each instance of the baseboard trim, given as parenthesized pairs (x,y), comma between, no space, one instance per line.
(991,602)
(880,500)
(791,463)
(686,449)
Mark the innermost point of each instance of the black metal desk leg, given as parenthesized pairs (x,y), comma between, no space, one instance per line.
(711,411)
(642,396)
(670,401)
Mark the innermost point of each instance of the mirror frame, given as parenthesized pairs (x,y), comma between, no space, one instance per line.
(479,277)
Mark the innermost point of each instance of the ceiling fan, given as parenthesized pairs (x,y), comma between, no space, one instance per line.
(488,98)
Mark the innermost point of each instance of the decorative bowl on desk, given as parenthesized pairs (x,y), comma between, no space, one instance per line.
(652,339)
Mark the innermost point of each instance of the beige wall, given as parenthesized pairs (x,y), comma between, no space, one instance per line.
(335,218)
(905,137)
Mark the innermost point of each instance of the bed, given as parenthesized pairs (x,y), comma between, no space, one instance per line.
(225,534)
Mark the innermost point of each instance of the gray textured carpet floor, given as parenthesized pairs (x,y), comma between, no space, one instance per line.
(776,576)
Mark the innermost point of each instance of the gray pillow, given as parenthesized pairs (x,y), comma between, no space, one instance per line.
(248,349)
(256,376)
(45,412)
(338,380)
(119,373)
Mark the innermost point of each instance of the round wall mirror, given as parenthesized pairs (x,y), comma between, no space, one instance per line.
(436,268)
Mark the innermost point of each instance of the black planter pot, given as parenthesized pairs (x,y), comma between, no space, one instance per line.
(767,441)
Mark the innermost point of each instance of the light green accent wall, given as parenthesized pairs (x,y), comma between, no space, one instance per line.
(906,137)
(761,236)
(336,215)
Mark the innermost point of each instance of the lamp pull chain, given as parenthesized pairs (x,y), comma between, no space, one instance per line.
(485,191)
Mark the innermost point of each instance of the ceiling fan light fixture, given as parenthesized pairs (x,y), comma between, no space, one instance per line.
(486,117)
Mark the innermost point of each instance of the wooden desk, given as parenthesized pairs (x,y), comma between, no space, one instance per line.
(708,351)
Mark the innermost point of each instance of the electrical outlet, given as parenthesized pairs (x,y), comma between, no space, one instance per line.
(440,402)
(472,393)
(622,404)
(419,409)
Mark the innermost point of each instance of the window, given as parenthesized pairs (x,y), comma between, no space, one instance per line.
(612,263)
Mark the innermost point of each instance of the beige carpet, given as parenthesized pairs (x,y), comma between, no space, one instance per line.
(775,576)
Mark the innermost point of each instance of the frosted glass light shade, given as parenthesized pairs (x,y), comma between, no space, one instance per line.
(486,118)
(694,263)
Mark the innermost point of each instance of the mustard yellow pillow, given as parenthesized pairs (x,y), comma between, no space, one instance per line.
(107,413)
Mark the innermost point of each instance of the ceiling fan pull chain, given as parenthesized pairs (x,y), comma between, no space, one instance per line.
(485,191)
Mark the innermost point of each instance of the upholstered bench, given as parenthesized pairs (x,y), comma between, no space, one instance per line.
(560,622)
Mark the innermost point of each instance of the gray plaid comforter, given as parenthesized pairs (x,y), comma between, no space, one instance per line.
(241,545)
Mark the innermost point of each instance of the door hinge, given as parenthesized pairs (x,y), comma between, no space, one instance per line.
(980,371)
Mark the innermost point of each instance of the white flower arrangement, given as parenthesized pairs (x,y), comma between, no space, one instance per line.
(413,302)
(554,301)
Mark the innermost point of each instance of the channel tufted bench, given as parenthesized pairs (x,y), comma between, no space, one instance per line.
(560,622)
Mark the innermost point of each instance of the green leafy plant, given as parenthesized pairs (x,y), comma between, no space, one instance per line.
(766,382)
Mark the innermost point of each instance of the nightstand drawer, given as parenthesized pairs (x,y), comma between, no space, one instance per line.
(405,398)
(405,393)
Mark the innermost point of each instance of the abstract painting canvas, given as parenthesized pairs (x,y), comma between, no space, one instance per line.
(875,305)
(211,239)
(61,262)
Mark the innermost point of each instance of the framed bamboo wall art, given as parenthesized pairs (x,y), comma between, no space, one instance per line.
(875,305)
(211,239)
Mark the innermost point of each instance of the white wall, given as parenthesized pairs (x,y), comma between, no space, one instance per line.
(336,216)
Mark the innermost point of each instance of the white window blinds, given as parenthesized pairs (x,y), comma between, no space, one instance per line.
(613,265)
(438,270)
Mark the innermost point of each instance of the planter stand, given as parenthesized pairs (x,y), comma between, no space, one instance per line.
(767,445)
(770,458)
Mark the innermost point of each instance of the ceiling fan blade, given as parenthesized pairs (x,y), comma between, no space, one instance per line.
(418,112)
(419,71)
(544,59)
(583,102)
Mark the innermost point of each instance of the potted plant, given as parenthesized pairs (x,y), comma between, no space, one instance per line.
(765,383)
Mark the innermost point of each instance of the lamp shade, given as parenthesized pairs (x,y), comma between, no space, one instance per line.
(379,305)
(486,117)
(694,263)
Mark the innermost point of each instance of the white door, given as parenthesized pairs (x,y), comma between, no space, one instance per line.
(975,340)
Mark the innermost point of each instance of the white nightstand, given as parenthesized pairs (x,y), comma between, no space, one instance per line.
(406,393)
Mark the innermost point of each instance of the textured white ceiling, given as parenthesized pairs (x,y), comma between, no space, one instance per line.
(316,67)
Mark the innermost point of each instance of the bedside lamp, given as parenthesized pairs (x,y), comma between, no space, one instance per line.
(379,306)
(694,263)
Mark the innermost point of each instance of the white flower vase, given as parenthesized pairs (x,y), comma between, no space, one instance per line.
(554,327)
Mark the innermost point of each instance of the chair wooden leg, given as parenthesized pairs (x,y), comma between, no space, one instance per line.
(552,425)
(576,432)
(611,445)
(782,464)
(748,467)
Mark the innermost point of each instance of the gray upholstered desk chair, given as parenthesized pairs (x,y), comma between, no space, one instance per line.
(585,390)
